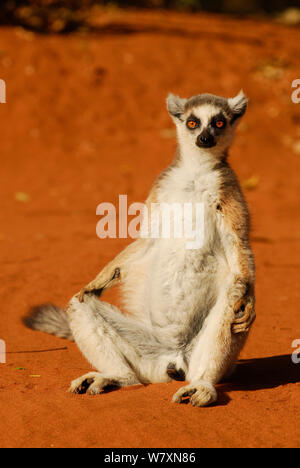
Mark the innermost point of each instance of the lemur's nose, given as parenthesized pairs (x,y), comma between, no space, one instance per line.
(205,140)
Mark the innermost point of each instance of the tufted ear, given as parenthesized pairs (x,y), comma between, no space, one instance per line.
(238,105)
(175,105)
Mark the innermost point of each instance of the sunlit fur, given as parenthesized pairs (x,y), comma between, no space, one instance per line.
(188,310)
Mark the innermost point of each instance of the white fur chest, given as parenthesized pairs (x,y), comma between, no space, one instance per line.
(183,281)
(184,184)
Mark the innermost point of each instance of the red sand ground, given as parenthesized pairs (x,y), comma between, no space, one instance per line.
(85,121)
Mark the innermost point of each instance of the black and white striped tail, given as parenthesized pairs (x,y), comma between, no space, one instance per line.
(49,319)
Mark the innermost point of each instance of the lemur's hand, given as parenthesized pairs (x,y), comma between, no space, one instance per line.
(90,288)
(98,285)
(244,315)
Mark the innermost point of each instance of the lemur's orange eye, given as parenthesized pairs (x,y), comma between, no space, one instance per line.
(192,124)
(219,123)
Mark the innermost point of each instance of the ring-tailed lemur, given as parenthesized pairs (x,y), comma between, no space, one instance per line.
(190,310)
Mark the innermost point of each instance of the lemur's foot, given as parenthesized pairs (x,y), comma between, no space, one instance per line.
(244,316)
(98,285)
(201,393)
(92,383)
(175,374)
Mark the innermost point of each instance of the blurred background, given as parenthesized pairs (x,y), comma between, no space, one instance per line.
(68,15)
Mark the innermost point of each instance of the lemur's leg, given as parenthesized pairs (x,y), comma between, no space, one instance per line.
(115,271)
(213,353)
(225,329)
(124,351)
(101,346)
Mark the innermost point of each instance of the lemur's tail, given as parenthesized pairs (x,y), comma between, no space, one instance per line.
(50,319)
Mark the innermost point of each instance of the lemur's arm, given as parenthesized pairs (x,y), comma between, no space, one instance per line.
(115,271)
(234,232)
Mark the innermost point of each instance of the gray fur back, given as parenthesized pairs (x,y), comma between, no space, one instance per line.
(49,319)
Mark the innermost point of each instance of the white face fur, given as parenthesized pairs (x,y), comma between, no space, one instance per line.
(206,122)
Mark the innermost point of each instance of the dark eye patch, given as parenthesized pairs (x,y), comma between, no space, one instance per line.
(193,122)
(218,121)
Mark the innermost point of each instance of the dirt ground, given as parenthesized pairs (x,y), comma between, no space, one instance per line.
(85,121)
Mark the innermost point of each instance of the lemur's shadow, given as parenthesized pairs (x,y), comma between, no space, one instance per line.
(261,373)
(254,374)
(258,374)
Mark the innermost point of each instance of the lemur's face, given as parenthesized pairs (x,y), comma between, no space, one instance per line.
(206,125)
(207,121)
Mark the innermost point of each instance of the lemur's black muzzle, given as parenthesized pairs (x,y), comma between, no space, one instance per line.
(205,140)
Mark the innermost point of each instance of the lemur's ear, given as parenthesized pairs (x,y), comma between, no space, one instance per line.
(175,105)
(238,105)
